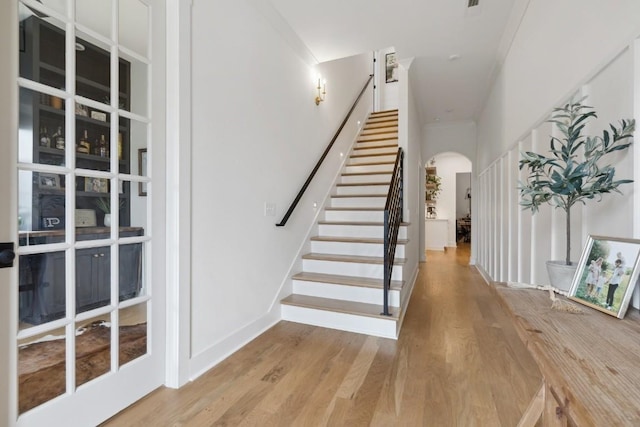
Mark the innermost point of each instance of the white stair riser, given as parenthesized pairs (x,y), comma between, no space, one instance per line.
(360,179)
(345,293)
(373,231)
(361,189)
(375,150)
(361,216)
(375,120)
(375,144)
(372,159)
(381,130)
(378,327)
(355,249)
(353,269)
(359,168)
(378,135)
(358,202)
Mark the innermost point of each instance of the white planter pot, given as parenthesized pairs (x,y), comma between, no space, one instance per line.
(561,274)
(107,220)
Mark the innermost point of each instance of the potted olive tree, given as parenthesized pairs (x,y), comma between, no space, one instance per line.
(571,172)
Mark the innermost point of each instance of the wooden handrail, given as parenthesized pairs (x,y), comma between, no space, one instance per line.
(324,155)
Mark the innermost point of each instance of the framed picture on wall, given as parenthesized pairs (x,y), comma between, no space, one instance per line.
(607,274)
(391,67)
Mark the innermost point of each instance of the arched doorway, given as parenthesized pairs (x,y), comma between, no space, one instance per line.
(447,202)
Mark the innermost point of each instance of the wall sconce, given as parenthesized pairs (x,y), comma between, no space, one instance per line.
(322,90)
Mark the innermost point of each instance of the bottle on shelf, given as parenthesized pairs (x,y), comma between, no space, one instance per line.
(45,141)
(119,145)
(102,147)
(84,146)
(58,139)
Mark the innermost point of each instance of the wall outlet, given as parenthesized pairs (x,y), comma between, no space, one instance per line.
(269,209)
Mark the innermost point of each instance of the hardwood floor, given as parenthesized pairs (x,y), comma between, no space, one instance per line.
(458,362)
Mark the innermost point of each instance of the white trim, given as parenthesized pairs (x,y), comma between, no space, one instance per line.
(178,201)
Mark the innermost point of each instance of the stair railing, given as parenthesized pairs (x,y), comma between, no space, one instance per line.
(392,220)
(324,155)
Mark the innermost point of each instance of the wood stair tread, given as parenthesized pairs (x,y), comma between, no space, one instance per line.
(376,147)
(371,240)
(347,307)
(361,156)
(372,163)
(392,138)
(364,282)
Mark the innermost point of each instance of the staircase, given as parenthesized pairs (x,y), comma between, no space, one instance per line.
(341,284)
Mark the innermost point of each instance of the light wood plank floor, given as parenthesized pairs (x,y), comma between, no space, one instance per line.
(458,362)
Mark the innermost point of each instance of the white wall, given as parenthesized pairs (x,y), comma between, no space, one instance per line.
(549,62)
(558,46)
(448,165)
(257,134)
(409,138)
(388,93)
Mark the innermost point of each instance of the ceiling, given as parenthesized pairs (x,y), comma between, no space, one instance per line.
(431,31)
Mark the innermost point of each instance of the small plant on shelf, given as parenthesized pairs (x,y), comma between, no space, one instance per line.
(104,204)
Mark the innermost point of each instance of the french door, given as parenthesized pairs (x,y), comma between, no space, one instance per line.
(84,304)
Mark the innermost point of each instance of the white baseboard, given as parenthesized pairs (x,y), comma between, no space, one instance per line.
(216,353)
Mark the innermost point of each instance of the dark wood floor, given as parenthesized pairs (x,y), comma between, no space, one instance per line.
(458,362)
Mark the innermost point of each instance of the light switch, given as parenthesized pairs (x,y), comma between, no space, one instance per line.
(269,209)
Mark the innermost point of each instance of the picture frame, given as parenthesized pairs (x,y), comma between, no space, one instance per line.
(96,185)
(607,274)
(391,67)
(142,171)
(50,181)
(99,115)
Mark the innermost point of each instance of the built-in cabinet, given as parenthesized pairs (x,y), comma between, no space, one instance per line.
(43,278)
(42,59)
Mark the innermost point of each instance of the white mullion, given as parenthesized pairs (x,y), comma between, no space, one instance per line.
(133,239)
(70,202)
(96,312)
(134,55)
(40,7)
(89,244)
(135,178)
(133,116)
(94,35)
(40,249)
(115,193)
(39,87)
(94,173)
(42,328)
(94,104)
(133,301)
(41,167)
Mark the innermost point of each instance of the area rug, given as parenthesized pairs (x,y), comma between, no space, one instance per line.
(41,366)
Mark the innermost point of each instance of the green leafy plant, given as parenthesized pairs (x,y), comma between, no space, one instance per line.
(433,186)
(104,204)
(571,173)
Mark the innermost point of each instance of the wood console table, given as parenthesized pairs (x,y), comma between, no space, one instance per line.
(590,362)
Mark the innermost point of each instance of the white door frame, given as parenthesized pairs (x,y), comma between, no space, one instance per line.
(8,210)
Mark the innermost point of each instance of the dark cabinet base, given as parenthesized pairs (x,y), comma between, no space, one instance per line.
(43,279)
